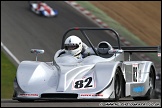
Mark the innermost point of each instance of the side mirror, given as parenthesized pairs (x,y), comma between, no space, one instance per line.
(114,51)
(37,51)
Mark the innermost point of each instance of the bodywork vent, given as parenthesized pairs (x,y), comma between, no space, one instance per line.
(128,73)
(59,95)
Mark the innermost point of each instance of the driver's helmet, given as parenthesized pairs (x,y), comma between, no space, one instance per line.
(73,45)
(41,3)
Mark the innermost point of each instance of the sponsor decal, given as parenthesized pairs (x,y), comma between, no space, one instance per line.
(87,95)
(28,95)
(138,89)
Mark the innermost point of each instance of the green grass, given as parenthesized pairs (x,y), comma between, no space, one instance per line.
(8,72)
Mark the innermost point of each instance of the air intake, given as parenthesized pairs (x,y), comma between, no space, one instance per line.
(59,95)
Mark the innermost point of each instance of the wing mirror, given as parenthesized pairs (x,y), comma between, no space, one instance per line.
(37,51)
(114,51)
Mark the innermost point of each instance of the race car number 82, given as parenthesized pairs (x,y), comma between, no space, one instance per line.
(80,83)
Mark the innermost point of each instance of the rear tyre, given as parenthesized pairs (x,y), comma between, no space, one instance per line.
(41,13)
(56,13)
(30,5)
(151,91)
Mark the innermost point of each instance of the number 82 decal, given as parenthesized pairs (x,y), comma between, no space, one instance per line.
(85,83)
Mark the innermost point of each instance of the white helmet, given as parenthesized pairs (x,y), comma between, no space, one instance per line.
(73,45)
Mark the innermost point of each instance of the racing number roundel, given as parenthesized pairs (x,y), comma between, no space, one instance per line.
(84,83)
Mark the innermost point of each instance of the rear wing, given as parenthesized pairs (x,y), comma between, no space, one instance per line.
(139,49)
(148,49)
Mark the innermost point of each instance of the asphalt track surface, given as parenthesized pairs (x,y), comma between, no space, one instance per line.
(22,30)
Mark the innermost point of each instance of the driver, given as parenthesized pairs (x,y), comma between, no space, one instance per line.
(74,46)
(40,4)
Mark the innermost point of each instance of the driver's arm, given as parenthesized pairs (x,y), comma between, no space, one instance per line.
(84,52)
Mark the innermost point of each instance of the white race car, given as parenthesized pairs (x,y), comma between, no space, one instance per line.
(103,73)
(41,8)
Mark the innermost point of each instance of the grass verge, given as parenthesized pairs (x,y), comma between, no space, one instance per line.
(8,72)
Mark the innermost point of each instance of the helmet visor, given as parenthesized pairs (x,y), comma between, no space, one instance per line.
(71,46)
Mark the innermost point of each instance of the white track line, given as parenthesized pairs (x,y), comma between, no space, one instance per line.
(9,52)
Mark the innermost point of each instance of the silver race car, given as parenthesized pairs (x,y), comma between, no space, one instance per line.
(102,74)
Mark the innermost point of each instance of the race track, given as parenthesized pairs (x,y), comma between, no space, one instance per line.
(23,30)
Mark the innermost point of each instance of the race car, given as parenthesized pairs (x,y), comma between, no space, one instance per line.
(41,8)
(102,74)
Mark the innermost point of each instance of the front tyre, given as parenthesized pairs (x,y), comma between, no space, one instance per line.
(118,82)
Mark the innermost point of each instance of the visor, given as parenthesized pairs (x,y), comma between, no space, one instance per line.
(71,46)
